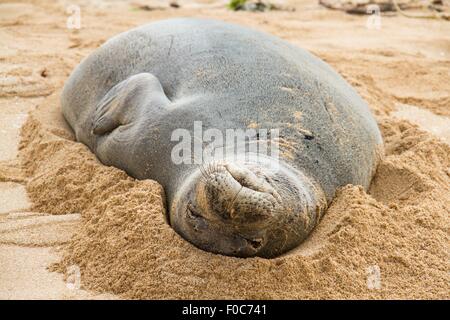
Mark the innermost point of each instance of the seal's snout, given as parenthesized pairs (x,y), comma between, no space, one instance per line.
(245,208)
(235,192)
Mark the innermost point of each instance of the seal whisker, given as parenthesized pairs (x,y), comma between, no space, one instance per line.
(203,171)
(234,199)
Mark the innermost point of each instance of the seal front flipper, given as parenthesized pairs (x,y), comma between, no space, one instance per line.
(126,101)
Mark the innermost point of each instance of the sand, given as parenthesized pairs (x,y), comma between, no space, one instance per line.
(60,207)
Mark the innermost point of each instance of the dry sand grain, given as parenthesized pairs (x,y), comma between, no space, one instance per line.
(122,243)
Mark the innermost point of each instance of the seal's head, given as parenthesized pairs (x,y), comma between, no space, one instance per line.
(248,208)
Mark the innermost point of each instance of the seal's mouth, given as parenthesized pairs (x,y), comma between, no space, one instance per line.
(240,209)
(228,240)
(227,243)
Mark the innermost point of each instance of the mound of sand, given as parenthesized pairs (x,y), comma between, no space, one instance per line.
(389,243)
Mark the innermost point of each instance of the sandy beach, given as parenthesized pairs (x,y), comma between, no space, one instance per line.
(66,219)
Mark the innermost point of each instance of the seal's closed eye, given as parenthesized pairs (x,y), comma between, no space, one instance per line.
(124,102)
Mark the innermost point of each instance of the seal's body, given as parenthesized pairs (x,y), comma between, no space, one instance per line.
(126,99)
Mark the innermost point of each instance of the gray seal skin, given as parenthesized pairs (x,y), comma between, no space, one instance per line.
(126,98)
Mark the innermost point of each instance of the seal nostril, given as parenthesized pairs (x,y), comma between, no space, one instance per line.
(192,213)
(255,243)
(245,177)
(243,182)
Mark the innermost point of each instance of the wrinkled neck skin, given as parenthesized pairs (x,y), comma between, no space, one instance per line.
(247,206)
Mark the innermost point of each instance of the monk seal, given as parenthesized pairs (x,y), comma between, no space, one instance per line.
(126,99)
